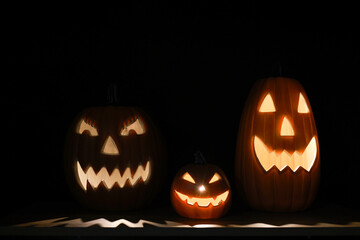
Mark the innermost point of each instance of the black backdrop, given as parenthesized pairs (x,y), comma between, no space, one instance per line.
(190,67)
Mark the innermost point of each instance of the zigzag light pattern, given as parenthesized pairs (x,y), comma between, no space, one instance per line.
(115,177)
(269,158)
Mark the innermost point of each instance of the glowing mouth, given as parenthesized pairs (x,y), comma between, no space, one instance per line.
(204,202)
(115,177)
(269,158)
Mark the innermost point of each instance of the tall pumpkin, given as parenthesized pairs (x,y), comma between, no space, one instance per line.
(114,159)
(277,165)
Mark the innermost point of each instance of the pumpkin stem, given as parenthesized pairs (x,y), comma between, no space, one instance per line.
(199,158)
(112,94)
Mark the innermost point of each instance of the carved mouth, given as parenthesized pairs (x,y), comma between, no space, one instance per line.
(204,202)
(109,180)
(281,159)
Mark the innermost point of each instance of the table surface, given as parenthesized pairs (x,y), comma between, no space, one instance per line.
(62,219)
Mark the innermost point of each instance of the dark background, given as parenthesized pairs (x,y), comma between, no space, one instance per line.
(189,66)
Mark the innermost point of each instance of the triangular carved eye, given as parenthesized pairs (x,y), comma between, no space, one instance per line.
(215,178)
(267,104)
(188,178)
(302,106)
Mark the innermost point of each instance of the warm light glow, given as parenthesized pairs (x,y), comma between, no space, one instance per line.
(109,147)
(202,188)
(302,106)
(286,128)
(204,202)
(215,178)
(104,223)
(99,222)
(136,126)
(188,178)
(84,126)
(269,158)
(115,177)
(267,105)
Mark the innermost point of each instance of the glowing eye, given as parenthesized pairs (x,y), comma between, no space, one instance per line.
(215,178)
(137,127)
(267,104)
(302,106)
(188,178)
(84,126)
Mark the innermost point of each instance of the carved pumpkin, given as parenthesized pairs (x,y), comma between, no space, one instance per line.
(201,190)
(277,166)
(114,158)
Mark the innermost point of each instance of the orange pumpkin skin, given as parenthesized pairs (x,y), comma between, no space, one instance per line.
(285,188)
(202,174)
(132,148)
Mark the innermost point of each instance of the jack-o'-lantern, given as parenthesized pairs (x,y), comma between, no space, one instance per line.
(201,190)
(114,158)
(277,166)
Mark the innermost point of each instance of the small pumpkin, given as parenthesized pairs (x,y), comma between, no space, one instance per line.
(277,165)
(114,158)
(201,190)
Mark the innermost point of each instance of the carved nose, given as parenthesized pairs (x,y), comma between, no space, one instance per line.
(202,188)
(286,128)
(109,147)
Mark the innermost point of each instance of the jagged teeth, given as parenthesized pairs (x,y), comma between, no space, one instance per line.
(204,202)
(269,158)
(109,180)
